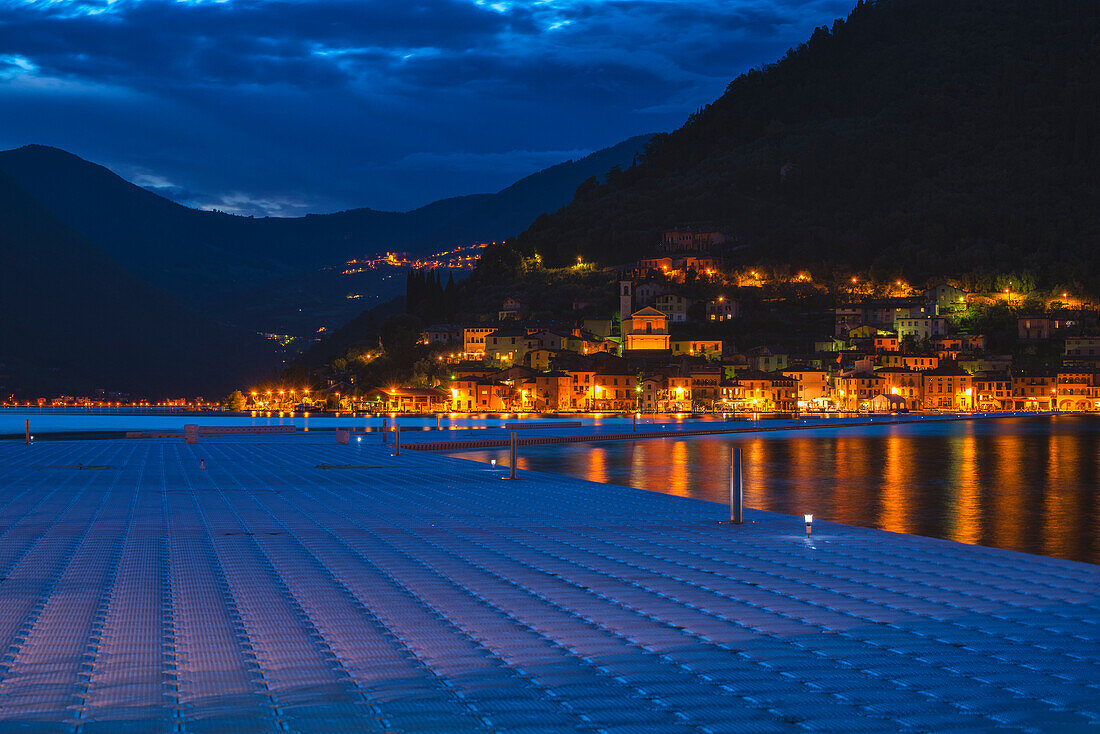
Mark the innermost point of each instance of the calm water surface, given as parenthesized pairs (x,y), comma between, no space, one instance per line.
(1026,484)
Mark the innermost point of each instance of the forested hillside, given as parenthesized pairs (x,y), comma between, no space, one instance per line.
(75,321)
(927,137)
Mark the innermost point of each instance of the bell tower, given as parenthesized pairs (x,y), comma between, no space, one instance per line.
(626,304)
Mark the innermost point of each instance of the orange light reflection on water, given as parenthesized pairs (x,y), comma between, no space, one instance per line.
(1060,506)
(966,515)
(1028,484)
(597,465)
(897,485)
(1006,504)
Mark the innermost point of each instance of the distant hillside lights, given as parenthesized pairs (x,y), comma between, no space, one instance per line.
(461,258)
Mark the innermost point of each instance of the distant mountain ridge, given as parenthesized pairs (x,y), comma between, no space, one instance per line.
(195,254)
(918,137)
(104,284)
(76,321)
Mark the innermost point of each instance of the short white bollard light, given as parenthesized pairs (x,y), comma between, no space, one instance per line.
(809,523)
(494,463)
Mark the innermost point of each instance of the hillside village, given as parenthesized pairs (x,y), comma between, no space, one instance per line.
(664,351)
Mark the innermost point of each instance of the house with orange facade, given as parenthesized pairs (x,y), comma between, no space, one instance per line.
(812,385)
(948,387)
(1034,389)
(855,391)
(646,331)
(905,383)
(765,392)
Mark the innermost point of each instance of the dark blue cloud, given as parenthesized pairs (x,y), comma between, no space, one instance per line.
(281,107)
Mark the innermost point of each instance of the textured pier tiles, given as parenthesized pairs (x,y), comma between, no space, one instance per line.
(140,592)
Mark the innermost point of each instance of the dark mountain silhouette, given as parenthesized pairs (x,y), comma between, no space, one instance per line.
(925,137)
(107,285)
(197,255)
(512,210)
(74,320)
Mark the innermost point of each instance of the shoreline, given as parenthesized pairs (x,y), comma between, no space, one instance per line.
(479,423)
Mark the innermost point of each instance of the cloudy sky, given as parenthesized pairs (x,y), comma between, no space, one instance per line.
(287,106)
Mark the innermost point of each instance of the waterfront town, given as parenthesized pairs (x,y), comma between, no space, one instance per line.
(884,347)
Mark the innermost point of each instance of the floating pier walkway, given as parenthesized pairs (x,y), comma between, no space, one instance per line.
(290,583)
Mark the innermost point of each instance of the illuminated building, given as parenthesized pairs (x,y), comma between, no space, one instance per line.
(674,306)
(723,309)
(653,391)
(540,359)
(582,382)
(1033,328)
(1083,350)
(992,391)
(855,391)
(646,331)
(709,348)
(945,298)
(765,360)
(916,362)
(904,383)
(553,391)
(506,346)
(613,389)
(1074,386)
(473,339)
(705,381)
(1034,390)
(677,394)
(886,342)
(921,327)
(766,392)
(948,388)
(812,386)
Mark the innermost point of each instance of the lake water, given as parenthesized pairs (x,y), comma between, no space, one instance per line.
(1029,484)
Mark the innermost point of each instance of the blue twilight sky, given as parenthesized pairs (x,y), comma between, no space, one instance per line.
(287,106)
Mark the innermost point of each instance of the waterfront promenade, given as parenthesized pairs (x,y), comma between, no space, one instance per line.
(296,584)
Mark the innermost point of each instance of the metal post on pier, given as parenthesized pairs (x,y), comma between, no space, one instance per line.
(737,499)
(512,459)
(634,427)
(397,440)
(385,427)
(28,429)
